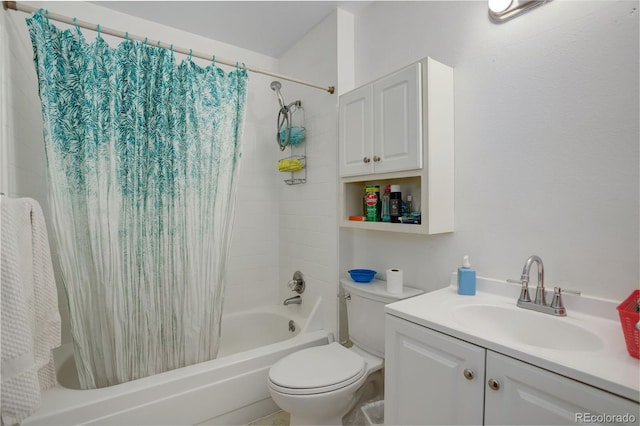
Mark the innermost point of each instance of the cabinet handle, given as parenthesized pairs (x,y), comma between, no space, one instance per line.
(468,374)
(376,158)
(366,160)
(494,384)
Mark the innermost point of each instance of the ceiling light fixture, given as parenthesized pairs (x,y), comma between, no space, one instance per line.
(504,10)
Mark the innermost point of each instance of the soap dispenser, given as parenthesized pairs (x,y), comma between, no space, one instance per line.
(466,278)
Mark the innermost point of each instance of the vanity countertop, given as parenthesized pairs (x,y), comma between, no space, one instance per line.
(604,364)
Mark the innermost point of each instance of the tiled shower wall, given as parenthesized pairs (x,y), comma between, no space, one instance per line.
(308,213)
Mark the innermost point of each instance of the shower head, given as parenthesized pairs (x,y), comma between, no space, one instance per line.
(276,86)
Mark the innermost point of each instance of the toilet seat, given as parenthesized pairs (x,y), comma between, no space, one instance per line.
(317,370)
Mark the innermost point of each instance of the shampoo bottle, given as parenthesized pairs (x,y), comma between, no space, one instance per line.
(395,204)
(466,278)
(386,209)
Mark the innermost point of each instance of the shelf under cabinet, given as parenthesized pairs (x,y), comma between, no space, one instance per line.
(352,201)
(385,226)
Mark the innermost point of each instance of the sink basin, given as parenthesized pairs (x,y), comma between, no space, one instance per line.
(527,327)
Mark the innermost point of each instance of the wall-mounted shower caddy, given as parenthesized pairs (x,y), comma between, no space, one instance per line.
(291,133)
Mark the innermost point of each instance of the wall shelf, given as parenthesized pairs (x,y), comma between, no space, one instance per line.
(352,192)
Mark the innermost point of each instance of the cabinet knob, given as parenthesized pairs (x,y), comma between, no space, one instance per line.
(366,160)
(468,374)
(493,384)
(376,158)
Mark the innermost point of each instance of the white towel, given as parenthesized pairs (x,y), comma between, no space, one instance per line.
(29,302)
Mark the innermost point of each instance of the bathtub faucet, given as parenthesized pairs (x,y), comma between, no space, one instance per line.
(295,300)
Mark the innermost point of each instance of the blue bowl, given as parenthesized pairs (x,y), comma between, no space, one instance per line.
(362,275)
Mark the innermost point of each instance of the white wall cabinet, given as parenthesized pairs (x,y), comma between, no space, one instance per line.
(381,126)
(399,130)
(356,126)
(433,378)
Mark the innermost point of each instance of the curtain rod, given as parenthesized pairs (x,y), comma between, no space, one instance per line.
(18,6)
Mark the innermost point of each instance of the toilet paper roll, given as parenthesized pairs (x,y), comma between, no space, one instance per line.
(394,280)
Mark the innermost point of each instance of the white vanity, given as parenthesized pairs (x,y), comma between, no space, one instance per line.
(453,359)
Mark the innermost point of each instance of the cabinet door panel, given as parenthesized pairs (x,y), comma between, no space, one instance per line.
(398,120)
(532,395)
(356,132)
(424,377)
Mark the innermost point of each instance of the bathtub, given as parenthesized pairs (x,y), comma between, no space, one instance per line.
(231,389)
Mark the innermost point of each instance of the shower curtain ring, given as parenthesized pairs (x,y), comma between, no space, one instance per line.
(75,23)
(190,53)
(98,30)
(158,43)
(171,48)
(126,36)
(41,10)
(146,39)
(213,61)
(46,13)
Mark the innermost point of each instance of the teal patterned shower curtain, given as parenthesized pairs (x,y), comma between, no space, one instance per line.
(142,157)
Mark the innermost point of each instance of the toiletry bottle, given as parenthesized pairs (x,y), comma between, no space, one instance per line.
(466,278)
(373,203)
(386,198)
(395,203)
(409,205)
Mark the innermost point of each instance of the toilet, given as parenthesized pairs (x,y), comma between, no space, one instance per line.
(319,385)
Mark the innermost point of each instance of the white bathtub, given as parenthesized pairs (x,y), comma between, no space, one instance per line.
(231,389)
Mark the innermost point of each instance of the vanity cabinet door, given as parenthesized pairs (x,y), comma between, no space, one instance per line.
(431,378)
(525,394)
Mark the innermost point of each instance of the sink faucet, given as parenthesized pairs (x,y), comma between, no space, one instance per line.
(540,304)
(295,300)
(540,297)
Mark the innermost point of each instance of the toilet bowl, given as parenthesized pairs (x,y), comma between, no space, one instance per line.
(319,385)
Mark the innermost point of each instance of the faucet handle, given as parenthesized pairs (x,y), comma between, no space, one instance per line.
(564,290)
(297,284)
(524,293)
(557,295)
(556,302)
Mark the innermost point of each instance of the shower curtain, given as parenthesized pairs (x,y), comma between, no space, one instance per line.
(142,159)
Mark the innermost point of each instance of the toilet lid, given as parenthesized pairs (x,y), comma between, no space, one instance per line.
(317,369)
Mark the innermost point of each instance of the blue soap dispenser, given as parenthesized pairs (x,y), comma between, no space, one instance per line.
(466,278)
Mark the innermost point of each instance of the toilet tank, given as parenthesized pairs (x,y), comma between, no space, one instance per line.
(365,311)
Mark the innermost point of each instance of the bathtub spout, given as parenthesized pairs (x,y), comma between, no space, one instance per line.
(295,300)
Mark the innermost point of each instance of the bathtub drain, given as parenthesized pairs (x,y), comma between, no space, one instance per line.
(292,326)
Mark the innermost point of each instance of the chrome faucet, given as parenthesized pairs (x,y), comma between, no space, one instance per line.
(540,304)
(540,297)
(295,300)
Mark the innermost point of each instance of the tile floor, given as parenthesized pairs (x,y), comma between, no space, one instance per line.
(281,418)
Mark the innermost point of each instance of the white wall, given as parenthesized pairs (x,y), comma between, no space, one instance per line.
(252,273)
(308,216)
(546,134)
